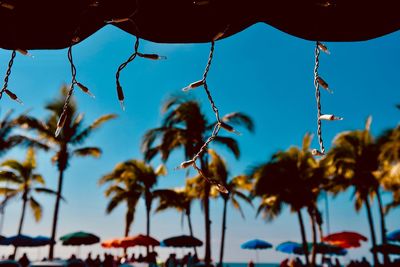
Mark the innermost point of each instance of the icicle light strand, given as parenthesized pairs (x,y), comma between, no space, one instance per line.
(120,92)
(5,85)
(217,126)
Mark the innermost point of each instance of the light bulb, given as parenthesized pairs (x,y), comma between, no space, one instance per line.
(24,52)
(7,5)
(228,128)
(218,36)
(193,85)
(13,96)
(75,39)
(121,96)
(222,188)
(85,89)
(330,117)
(201,2)
(186,164)
(316,152)
(60,123)
(323,48)
(118,20)
(324,84)
(151,56)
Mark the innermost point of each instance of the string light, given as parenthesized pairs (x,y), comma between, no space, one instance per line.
(63,116)
(152,56)
(120,92)
(121,20)
(318,81)
(193,85)
(330,117)
(5,85)
(24,52)
(7,5)
(201,2)
(218,125)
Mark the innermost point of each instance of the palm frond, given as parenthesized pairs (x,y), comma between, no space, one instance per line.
(88,151)
(80,137)
(36,209)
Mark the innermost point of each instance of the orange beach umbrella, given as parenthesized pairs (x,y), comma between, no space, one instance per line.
(345,239)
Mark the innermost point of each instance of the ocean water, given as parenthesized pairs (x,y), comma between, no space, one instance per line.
(244,264)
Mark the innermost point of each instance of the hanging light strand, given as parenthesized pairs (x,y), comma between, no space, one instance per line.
(5,85)
(63,116)
(318,98)
(217,126)
(120,92)
(318,81)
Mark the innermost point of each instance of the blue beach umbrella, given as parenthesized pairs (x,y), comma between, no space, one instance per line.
(18,241)
(289,247)
(394,236)
(256,244)
(42,241)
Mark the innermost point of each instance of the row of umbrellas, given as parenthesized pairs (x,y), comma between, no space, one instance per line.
(83,238)
(148,241)
(333,244)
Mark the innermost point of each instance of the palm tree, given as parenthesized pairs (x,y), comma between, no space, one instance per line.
(185,126)
(9,140)
(23,176)
(355,159)
(235,186)
(290,178)
(128,182)
(67,144)
(179,199)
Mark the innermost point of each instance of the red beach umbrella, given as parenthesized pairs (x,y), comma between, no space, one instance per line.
(112,243)
(345,239)
(139,240)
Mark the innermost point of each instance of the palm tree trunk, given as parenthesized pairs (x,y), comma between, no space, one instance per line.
(191,229)
(21,220)
(386,259)
(148,209)
(207,256)
(56,211)
(311,213)
(371,227)
(221,253)
(303,237)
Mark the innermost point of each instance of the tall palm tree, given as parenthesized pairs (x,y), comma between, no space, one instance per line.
(67,143)
(128,182)
(355,158)
(186,127)
(236,187)
(24,177)
(292,178)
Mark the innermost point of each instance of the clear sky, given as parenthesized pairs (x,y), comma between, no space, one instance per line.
(261,71)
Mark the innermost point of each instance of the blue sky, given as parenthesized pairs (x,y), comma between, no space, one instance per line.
(261,71)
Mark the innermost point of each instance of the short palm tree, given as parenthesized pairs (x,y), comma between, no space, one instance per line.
(179,199)
(129,181)
(185,127)
(236,187)
(290,178)
(67,144)
(24,177)
(355,160)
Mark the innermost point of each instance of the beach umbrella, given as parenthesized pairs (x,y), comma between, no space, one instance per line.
(394,236)
(289,247)
(256,244)
(345,239)
(18,241)
(79,238)
(42,241)
(139,240)
(387,249)
(182,241)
